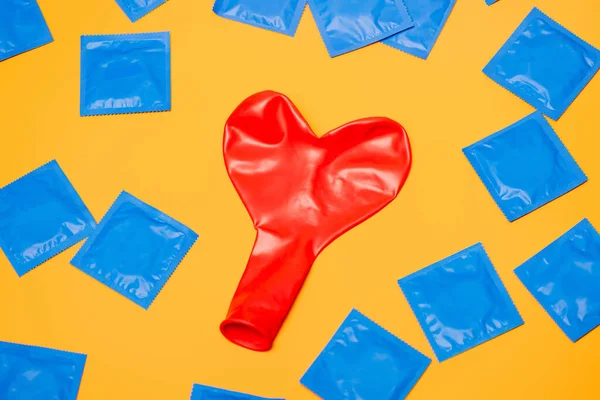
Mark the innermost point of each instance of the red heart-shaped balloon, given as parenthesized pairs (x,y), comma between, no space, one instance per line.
(302,192)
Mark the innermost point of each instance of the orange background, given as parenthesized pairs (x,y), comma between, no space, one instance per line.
(173,161)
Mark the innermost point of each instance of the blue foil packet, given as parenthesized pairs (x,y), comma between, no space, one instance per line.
(281,16)
(363,361)
(544,64)
(490,2)
(136,9)
(347,25)
(135,249)
(123,74)
(41,215)
(202,392)
(565,279)
(524,166)
(22,27)
(429,17)
(38,373)
(460,302)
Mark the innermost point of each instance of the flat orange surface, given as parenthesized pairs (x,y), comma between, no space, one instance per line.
(173,161)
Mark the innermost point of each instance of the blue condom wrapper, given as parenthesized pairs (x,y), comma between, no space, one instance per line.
(524,166)
(136,9)
(135,249)
(460,302)
(22,27)
(565,279)
(38,373)
(202,392)
(363,361)
(41,215)
(544,64)
(123,74)
(281,16)
(429,17)
(347,25)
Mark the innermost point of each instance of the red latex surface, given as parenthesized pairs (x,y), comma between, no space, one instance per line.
(301,192)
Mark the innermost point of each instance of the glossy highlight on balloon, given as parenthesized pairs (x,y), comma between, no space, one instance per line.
(301,192)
